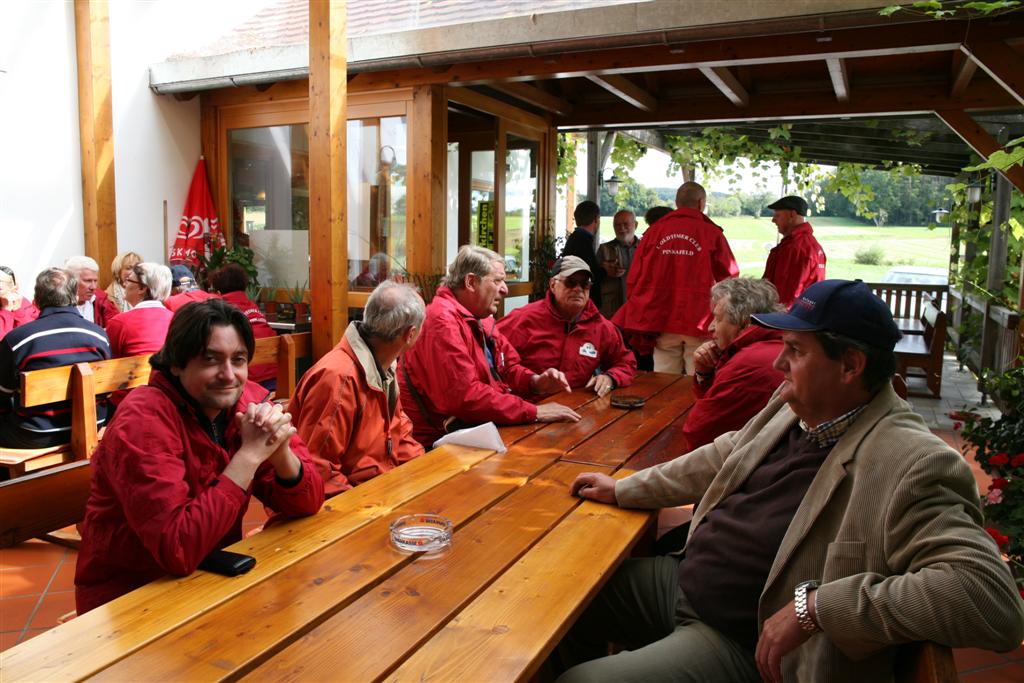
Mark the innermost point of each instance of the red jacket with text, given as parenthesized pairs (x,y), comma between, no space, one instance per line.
(743,382)
(25,313)
(795,263)
(544,339)
(260,329)
(350,417)
(448,371)
(157,503)
(678,260)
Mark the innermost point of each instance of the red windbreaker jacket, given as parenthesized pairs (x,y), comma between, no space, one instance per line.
(744,381)
(796,263)
(679,259)
(544,339)
(448,370)
(25,313)
(157,503)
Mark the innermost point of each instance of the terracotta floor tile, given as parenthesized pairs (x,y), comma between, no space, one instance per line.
(9,639)
(31,553)
(24,580)
(969,659)
(1009,673)
(65,577)
(54,606)
(15,612)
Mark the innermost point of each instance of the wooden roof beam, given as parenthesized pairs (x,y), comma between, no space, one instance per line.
(626,90)
(867,101)
(1001,62)
(534,96)
(840,79)
(980,140)
(724,80)
(963,71)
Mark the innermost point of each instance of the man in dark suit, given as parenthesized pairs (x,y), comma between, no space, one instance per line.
(582,243)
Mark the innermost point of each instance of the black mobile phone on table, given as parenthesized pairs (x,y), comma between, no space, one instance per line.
(227,563)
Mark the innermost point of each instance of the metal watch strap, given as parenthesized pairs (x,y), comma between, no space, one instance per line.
(803,614)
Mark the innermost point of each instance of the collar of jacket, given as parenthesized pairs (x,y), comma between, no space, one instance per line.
(445,298)
(748,337)
(167,383)
(55,310)
(361,353)
(802,229)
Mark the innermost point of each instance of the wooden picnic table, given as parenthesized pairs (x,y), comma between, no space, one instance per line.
(909,325)
(330,599)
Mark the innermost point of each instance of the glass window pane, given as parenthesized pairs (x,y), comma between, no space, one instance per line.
(481,199)
(521,184)
(268,183)
(377,165)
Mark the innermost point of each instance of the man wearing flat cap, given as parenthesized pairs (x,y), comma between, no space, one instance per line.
(565,330)
(831,528)
(797,261)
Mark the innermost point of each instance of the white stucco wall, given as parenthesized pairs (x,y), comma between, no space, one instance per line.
(40,173)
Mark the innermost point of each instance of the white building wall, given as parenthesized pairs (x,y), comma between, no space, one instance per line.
(40,155)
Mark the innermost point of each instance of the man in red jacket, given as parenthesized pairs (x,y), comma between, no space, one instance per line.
(565,330)
(347,407)
(680,257)
(174,472)
(463,370)
(93,303)
(798,261)
(734,373)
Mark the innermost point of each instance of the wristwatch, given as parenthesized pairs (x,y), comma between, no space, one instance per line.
(803,615)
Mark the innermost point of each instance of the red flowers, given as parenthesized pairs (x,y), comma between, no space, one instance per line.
(957,426)
(1001,540)
(999,459)
(1018,460)
(999,483)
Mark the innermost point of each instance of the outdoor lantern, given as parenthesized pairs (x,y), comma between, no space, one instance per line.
(974,193)
(612,184)
(940,214)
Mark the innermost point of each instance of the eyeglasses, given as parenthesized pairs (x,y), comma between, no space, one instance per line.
(573,284)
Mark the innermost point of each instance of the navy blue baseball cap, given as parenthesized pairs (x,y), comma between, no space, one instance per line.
(846,307)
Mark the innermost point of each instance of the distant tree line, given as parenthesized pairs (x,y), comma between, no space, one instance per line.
(897,200)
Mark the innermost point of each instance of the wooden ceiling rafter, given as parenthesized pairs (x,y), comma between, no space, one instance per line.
(1000,61)
(840,78)
(964,69)
(534,96)
(727,84)
(626,90)
(980,140)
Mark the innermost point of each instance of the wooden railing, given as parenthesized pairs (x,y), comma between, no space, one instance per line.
(908,301)
(992,338)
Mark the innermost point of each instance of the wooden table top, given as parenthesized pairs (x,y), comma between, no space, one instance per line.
(329,598)
(909,325)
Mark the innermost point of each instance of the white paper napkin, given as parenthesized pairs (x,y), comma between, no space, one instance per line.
(482,436)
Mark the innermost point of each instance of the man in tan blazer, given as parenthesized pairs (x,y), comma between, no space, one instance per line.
(830,528)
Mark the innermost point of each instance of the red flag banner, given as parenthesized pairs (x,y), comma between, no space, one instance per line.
(199,231)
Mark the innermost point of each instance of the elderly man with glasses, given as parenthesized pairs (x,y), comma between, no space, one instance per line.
(565,330)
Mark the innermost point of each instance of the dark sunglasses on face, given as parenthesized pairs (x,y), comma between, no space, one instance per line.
(582,283)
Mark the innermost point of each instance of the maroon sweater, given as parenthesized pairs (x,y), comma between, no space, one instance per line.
(729,555)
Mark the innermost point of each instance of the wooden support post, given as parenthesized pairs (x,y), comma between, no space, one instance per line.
(328,244)
(83,412)
(96,133)
(593,169)
(425,233)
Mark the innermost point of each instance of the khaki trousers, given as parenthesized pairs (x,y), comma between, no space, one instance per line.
(674,353)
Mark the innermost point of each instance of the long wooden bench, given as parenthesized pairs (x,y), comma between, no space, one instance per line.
(924,352)
(83,383)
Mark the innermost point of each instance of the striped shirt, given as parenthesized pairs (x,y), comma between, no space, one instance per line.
(60,336)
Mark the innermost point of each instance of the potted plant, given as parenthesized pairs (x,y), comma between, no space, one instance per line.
(296,295)
(998,446)
(222,256)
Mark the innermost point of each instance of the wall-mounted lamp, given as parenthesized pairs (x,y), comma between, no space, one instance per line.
(940,214)
(387,155)
(612,184)
(974,192)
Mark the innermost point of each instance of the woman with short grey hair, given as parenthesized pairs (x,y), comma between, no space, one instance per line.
(143,328)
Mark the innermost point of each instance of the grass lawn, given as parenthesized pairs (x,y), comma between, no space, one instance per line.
(841,238)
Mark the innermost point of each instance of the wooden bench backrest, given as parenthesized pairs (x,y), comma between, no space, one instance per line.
(934,329)
(83,382)
(43,501)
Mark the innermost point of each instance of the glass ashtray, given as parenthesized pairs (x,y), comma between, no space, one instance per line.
(421,533)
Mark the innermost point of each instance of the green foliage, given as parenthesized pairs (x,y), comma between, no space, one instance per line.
(631,196)
(998,446)
(754,203)
(1011,155)
(544,250)
(625,153)
(567,143)
(723,205)
(954,9)
(902,196)
(221,256)
(297,292)
(870,256)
